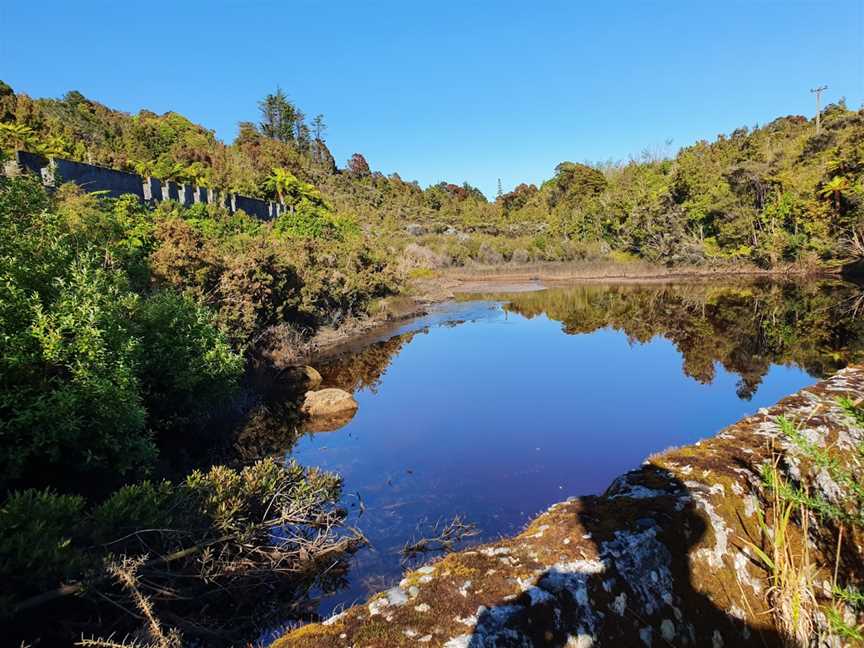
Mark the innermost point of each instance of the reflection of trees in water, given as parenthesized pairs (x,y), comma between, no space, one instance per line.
(271,427)
(274,423)
(365,368)
(746,326)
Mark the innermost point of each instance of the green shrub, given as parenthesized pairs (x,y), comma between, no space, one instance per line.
(37,528)
(185,363)
(134,507)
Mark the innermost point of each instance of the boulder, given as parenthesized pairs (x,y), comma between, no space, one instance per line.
(306,377)
(489,255)
(328,402)
(415,230)
(520,255)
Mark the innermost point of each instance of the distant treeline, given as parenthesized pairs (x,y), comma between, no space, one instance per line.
(772,195)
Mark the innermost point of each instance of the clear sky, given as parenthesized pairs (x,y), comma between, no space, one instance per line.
(455,90)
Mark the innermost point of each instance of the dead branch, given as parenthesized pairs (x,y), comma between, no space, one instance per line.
(444,538)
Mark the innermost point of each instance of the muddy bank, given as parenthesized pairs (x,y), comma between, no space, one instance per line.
(662,558)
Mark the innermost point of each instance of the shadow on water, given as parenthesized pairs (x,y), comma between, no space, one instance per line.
(637,590)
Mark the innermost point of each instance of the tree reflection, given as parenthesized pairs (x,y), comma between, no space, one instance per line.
(744,326)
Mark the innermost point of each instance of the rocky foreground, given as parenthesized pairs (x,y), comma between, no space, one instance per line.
(663,558)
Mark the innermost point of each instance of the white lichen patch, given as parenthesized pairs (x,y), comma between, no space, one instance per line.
(540,531)
(637,491)
(742,572)
(619,604)
(423,607)
(714,557)
(377,605)
(462,641)
(667,630)
(644,564)
(538,596)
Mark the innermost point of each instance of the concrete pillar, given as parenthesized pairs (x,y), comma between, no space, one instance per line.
(184,194)
(152,189)
(169,191)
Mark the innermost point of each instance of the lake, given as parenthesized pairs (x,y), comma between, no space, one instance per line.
(496,406)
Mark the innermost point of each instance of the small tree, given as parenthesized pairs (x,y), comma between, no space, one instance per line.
(318,127)
(834,189)
(279,116)
(358,166)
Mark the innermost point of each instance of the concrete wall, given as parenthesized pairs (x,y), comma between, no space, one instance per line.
(93,178)
(151,190)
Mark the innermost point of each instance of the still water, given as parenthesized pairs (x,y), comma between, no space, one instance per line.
(498,406)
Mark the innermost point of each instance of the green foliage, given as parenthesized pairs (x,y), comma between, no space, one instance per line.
(46,536)
(145,505)
(185,364)
(70,399)
(769,196)
(36,534)
(91,362)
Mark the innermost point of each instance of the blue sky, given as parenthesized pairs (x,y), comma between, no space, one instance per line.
(459,91)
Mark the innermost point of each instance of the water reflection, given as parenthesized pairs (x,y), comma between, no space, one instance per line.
(555,393)
(745,327)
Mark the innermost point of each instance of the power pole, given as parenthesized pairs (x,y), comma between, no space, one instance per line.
(818,92)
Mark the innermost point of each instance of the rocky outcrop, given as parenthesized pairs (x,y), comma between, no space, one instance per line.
(417,256)
(327,409)
(664,557)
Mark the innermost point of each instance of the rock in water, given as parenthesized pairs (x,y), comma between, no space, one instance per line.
(328,409)
(307,377)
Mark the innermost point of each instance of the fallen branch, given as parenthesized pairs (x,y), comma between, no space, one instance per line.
(444,538)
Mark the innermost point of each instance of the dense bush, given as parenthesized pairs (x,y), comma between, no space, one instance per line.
(121,329)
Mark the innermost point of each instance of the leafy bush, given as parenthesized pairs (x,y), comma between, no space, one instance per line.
(185,364)
(36,534)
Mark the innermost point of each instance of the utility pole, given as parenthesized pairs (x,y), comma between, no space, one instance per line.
(818,92)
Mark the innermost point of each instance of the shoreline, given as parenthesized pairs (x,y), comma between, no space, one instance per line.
(425,294)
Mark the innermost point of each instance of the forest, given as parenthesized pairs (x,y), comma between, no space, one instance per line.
(128,330)
(770,196)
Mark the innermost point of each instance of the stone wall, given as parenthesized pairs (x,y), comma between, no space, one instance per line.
(56,171)
(661,559)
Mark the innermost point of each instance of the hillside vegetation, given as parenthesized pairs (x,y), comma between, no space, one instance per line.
(771,195)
